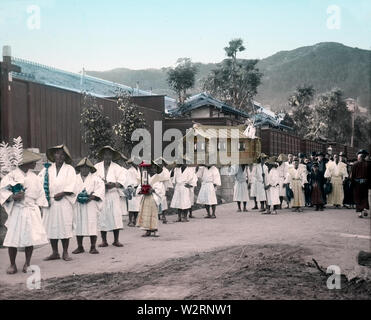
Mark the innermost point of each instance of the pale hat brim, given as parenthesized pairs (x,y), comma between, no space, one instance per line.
(50,153)
(116,155)
(85,162)
(30,157)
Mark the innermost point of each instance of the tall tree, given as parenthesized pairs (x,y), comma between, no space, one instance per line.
(234,81)
(96,127)
(131,119)
(330,118)
(182,78)
(300,102)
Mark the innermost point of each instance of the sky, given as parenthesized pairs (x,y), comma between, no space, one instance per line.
(107,34)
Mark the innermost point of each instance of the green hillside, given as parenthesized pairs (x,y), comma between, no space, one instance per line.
(324,65)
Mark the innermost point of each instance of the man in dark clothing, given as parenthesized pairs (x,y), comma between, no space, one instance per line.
(360,178)
(316,182)
(322,161)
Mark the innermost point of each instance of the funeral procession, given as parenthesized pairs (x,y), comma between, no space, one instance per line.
(128,171)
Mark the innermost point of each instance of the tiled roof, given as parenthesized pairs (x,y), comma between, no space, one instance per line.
(204,99)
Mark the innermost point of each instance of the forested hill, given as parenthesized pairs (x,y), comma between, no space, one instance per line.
(324,65)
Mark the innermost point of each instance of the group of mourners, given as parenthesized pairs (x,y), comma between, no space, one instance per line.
(301,181)
(63,201)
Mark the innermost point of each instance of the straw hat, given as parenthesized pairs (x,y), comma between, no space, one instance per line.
(85,162)
(29,157)
(262,156)
(282,158)
(272,160)
(134,160)
(50,153)
(116,155)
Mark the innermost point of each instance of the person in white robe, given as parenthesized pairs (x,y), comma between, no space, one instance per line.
(210,180)
(90,191)
(261,174)
(251,168)
(60,180)
(193,184)
(123,191)
(273,189)
(132,183)
(282,172)
(240,190)
(165,179)
(296,179)
(336,172)
(150,203)
(110,218)
(25,229)
(182,178)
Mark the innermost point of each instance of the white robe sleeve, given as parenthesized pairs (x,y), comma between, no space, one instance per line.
(216,177)
(5,193)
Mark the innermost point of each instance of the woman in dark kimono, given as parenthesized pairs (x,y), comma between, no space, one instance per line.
(316,183)
(348,201)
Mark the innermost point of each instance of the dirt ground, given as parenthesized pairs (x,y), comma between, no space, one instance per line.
(236,256)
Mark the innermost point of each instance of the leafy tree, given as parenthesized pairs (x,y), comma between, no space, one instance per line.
(234,81)
(131,119)
(362,132)
(330,118)
(182,77)
(96,127)
(287,120)
(300,103)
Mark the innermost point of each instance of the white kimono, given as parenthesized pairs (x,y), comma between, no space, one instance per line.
(260,191)
(296,178)
(110,217)
(240,190)
(167,184)
(251,177)
(282,173)
(182,195)
(58,218)
(273,193)
(123,200)
(133,180)
(24,224)
(209,177)
(87,214)
(337,173)
(193,184)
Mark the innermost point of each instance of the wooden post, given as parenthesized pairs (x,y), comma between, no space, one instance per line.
(5,92)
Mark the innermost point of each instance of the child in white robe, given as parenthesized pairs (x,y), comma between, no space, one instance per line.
(150,203)
(90,191)
(210,180)
(240,190)
(273,189)
(110,218)
(132,183)
(24,224)
(261,175)
(182,178)
(60,179)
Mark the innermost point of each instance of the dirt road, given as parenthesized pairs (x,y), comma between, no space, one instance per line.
(204,248)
